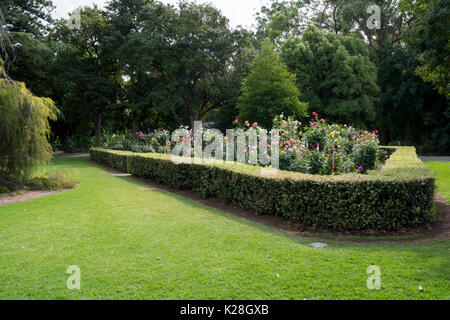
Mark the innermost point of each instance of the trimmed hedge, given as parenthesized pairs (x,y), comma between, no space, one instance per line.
(392,198)
(403,157)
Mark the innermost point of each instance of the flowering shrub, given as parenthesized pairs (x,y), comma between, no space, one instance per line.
(159,141)
(321,148)
(364,156)
(156,141)
(313,148)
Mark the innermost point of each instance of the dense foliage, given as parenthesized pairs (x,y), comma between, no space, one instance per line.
(408,111)
(335,75)
(428,36)
(24,129)
(321,148)
(29,16)
(269,90)
(411,111)
(138,64)
(315,147)
(381,201)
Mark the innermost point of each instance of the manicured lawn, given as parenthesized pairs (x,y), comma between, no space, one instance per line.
(132,243)
(442,169)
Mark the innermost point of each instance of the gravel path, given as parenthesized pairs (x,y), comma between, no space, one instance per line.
(26,196)
(71,155)
(435,158)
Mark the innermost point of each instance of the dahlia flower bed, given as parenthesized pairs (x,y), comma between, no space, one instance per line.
(316,147)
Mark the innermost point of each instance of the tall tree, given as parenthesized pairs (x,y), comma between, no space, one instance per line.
(344,17)
(428,36)
(24,128)
(283,19)
(411,112)
(134,53)
(240,68)
(269,90)
(28,16)
(27,23)
(87,72)
(335,75)
(32,62)
(193,51)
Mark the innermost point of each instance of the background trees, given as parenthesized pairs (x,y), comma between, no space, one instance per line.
(195,54)
(139,64)
(134,50)
(411,110)
(269,90)
(400,48)
(335,75)
(88,80)
(26,24)
(28,16)
(427,36)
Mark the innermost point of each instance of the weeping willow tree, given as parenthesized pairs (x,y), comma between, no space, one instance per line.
(24,130)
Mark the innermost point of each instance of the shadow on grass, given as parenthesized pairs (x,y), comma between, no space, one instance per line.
(266,223)
(214,205)
(273,224)
(405,249)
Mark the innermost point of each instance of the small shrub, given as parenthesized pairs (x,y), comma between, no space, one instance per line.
(365,156)
(54,180)
(4,189)
(76,144)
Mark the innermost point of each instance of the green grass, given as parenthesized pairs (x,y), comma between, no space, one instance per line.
(442,170)
(132,243)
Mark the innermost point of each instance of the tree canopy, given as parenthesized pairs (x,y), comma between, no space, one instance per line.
(428,36)
(139,64)
(335,75)
(28,16)
(269,90)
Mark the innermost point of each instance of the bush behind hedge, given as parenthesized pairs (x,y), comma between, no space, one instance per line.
(390,199)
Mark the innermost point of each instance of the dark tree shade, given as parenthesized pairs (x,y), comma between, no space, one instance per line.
(428,36)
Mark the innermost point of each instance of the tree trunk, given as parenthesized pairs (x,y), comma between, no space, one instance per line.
(8,183)
(191,115)
(135,125)
(98,126)
(191,120)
